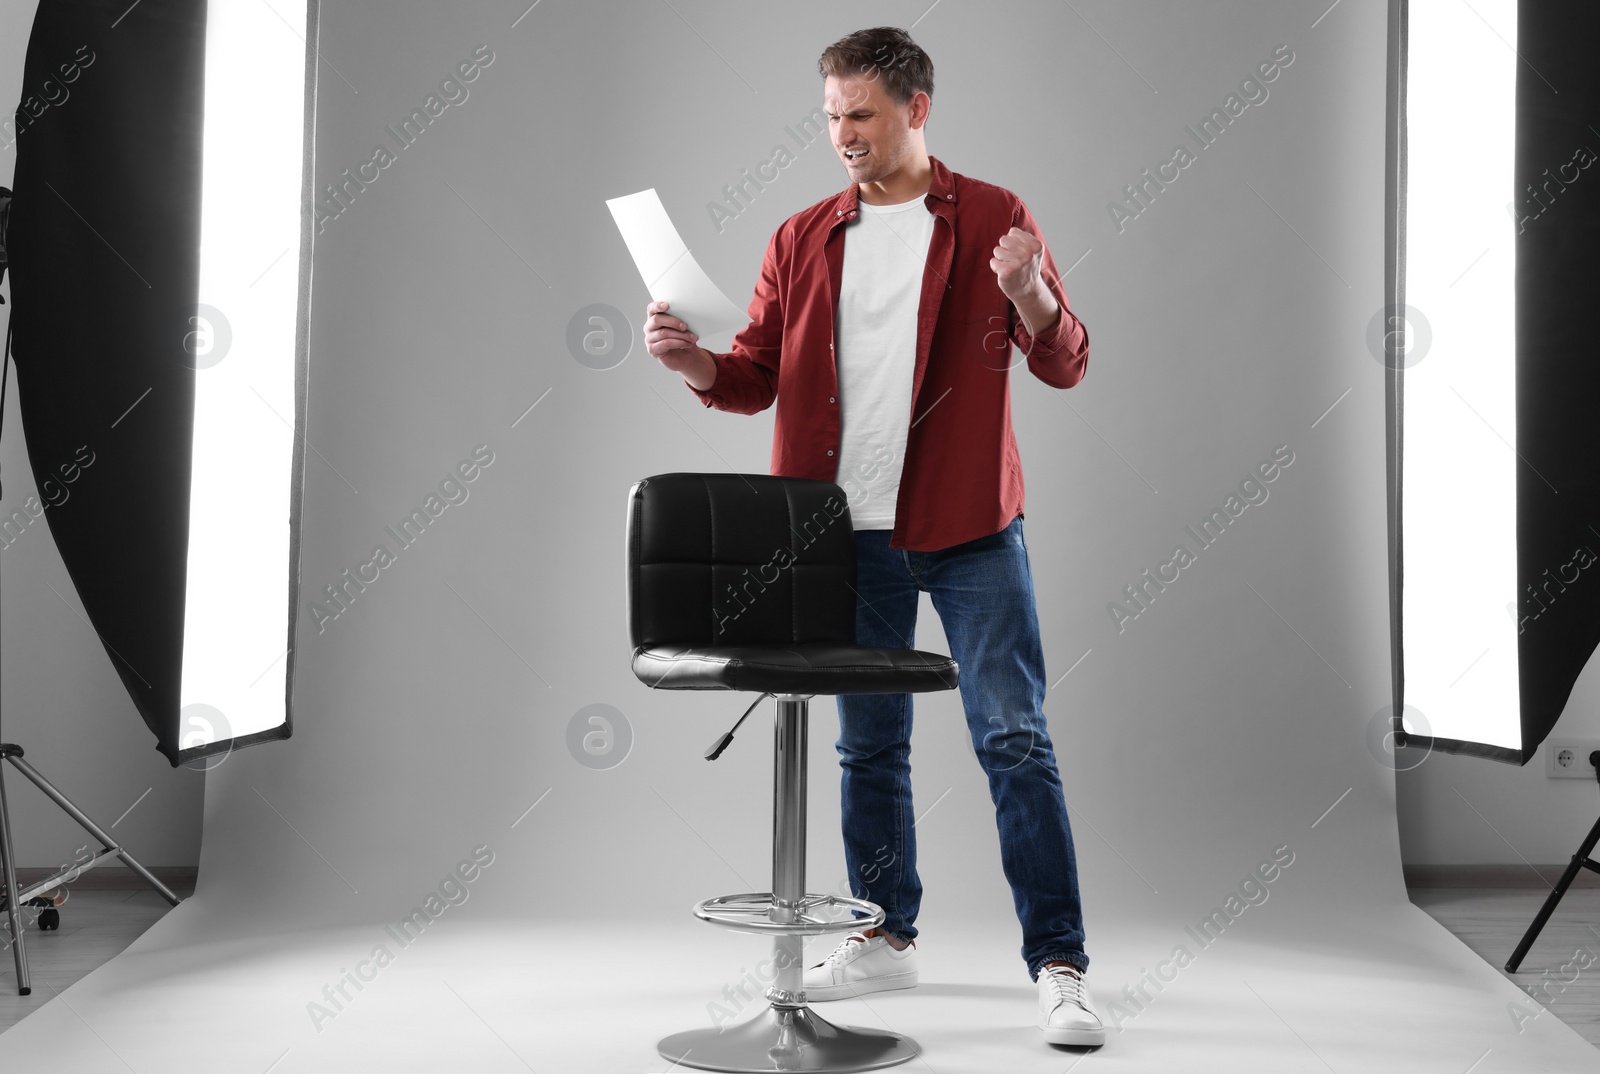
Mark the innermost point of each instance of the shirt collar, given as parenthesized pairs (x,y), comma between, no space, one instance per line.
(941,188)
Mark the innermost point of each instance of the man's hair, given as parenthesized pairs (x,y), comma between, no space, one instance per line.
(883,50)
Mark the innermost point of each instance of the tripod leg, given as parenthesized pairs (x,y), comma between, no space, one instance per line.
(13,907)
(1549,906)
(92,828)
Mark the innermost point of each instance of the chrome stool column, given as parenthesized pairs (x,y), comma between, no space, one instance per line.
(787,1035)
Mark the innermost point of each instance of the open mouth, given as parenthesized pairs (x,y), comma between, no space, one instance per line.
(853,155)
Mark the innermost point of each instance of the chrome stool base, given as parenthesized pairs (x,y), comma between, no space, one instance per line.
(787,1035)
(783,1038)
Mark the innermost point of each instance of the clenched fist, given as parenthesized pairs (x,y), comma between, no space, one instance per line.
(1016,264)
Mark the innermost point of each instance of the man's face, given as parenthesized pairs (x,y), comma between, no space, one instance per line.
(863,117)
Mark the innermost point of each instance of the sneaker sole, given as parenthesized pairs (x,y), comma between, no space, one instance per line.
(1079,1037)
(851,989)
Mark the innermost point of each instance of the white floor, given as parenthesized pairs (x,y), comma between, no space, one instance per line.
(1389,991)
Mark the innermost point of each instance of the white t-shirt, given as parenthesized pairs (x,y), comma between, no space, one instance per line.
(884,256)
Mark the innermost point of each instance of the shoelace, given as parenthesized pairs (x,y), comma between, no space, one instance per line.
(1067,986)
(845,950)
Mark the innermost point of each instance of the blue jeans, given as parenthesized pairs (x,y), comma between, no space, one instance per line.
(983,592)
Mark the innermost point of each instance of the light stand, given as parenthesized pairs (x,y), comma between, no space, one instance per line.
(14,898)
(1580,860)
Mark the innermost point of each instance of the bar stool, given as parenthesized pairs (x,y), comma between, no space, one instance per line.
(747,582)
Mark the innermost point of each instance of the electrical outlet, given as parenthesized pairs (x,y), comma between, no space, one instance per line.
(1568,758)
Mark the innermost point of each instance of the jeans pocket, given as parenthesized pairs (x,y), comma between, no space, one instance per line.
(1023,543)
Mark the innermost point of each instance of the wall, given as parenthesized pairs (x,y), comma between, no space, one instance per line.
(1460,810)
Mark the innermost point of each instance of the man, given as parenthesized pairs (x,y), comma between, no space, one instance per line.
(882,324)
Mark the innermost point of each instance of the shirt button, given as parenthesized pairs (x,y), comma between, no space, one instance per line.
(950,197)
(830,451)
(830,398)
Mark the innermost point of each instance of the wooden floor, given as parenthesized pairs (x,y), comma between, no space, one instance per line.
(1488,909)
(97,923)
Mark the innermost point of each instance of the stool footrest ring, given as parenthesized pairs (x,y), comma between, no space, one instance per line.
(759,913)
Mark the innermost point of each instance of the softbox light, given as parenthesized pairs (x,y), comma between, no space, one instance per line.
(160,250)
(1494,213)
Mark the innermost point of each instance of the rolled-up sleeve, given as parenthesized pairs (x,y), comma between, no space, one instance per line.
(1059,355)
(747,376)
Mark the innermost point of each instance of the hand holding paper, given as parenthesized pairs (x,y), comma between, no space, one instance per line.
(672,343)
(670,271)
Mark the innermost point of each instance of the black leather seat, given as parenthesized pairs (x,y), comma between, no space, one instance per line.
(815,668)
(747,582)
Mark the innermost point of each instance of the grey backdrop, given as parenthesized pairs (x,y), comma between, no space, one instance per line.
(1225,321)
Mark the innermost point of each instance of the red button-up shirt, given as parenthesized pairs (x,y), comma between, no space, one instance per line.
(961,477)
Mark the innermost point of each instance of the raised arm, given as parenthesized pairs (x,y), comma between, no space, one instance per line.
(1043,326)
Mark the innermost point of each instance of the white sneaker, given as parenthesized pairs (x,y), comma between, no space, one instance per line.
(861,964)
(1066,1014)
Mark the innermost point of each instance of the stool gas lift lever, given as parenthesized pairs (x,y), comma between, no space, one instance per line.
(722,743)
